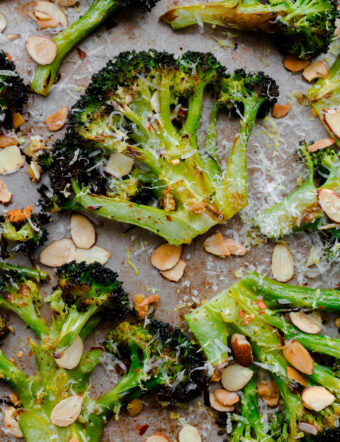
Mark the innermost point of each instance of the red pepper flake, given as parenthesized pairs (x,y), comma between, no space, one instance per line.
(261,313)
(81,53)
(241,313)
(149,127)
(142,429)
(30,353)
(254,289)
(168,217)
(261,304)
(338,285)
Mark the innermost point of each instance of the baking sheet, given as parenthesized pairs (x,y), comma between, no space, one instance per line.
(273,172)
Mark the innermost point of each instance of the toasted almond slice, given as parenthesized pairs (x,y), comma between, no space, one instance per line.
(118,165)
(269,392)
(13,37)
(157,437)
(235,377)
(215,245)
(317,397)
(3,22)
(41,15)
(331,118)
(6,141)
(17,120)
(189,434)
(282,263)
(294,64)
(321,144)
(67,3)
(330,204)
(57,253)
(82,231)
(156,102)
(296,376)
(226,398)
(43,20)
(315,70)
(176,273)
(58,120)
(71,356)
(41,49)
(299,357)
(308,323)
(11,424)
(166,256)
(234,247)
(5,195)
(11,160)
(242,350)
(94,254)
(34,171)
(280,110)
(51,10)
(308,428)
(217,405)
(67,411)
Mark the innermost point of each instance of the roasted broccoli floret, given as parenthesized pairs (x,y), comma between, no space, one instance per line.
(324,98)
(13,91)
(67,39)
(301,27)
(26,232)
(301,210)
(85,291)
(242,310)
(161,359)
(131,150)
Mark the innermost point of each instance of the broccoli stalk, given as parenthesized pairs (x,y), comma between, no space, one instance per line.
(324,96)
(145,108)
(67,39)
(302,28)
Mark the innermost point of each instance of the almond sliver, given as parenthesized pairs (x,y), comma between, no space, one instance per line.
(5,195)
(216,245)
(315,70)
(294,64)
(57,120)
(166,256)
(176,273)
(41,49)
(321,144)
(280,110)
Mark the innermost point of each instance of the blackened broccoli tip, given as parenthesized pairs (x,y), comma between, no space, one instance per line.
(4,330)
(144,169)
(302,28)
(13,91)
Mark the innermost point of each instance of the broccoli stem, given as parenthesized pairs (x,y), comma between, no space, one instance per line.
(81,374)
(69,38)
(211,159)
(323,376)
(29,273)
(280,295)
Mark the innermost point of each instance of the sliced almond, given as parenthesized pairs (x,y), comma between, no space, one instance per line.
(215,245)
(317,398)
(71,356)
(315,70)
(296,376)
(189,434)
(58,120)
(11,160)
(294,64)
(57,253)
(217,405)
(330,204)
(234,247)
(226,398)
(6,141)
(17,120)
(308,323)
(52,11)
(176,273)
(280,110)
(94,254)
(13,37)
(308,428)
(299,357)
(282,263)
(43,20)
(321,144)
(269,392)
(5,195)
(67,411)
(156,102)
(166,256)
(11,424)
(158,437)
(331,118)
(242,350)
(235,377)
(118,165)
(3,22)
(82,231)
(34,171)
(41,49)
(67,3)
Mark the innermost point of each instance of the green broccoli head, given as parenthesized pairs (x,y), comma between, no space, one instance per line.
(302,28)
(13,91)
(131,151)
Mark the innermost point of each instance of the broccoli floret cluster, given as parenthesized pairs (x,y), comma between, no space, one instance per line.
(13,91)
